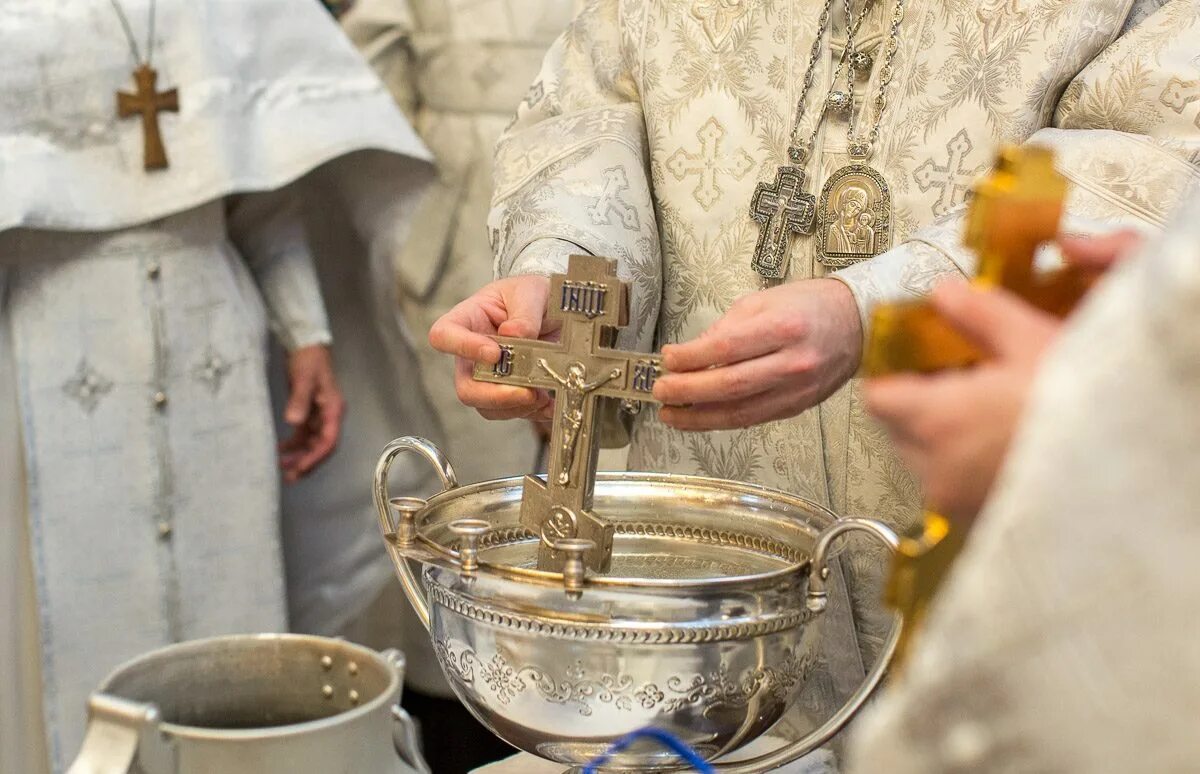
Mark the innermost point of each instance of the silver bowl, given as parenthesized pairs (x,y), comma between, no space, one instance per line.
(705,625)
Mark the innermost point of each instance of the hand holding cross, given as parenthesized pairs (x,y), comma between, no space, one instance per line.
(592,304)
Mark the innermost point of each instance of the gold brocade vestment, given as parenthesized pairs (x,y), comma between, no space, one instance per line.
(652,121)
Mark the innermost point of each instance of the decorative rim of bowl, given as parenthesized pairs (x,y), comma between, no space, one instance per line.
(798,561)
(549,623)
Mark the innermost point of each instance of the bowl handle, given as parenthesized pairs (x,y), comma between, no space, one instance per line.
(123,736)
(445,471)
(817,599)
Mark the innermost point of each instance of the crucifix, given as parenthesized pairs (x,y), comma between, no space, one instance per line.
(148,102)
(580,369)
(1014,210)
(783,208)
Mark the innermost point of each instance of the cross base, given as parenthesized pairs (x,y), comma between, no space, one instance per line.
(551,521)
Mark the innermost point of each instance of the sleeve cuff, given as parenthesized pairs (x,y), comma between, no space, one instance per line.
(541,256)
(905,272)
(293,340)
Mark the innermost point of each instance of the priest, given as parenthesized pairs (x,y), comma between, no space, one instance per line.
(1085,659)
(717,147)
(149,236)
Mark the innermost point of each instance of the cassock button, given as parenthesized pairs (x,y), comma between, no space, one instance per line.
(164,530)
(154,270)
(160,399)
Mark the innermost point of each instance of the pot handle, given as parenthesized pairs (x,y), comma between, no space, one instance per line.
(817,600)
(445,471)
(123,736)
(405,738)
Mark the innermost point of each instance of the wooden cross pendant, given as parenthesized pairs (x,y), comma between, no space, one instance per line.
(782,208)
(581,368)
(148,102)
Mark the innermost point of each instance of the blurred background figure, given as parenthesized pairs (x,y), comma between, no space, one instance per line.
(458,69)
(147,241)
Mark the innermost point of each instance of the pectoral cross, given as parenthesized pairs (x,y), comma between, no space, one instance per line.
(782,208)
(580,368)
(1014,210)
(148,102)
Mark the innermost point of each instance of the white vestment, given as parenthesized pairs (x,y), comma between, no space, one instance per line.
(651,124)
(1065,638)
(138,439)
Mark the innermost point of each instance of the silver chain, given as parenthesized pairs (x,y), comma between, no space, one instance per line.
(851,46)
(858,148)
(796,152)
(133,46)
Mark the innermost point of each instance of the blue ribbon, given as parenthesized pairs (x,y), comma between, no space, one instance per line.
(666,739)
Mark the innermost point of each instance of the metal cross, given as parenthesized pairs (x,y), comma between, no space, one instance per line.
(580,368)
(783,208)
(148,102)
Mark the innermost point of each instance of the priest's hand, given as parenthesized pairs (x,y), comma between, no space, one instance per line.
(773,355)
(953,428)
(515,306)
(314,409)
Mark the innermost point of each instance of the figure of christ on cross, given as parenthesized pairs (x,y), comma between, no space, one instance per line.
(148,103)
(574,389)
(580,369)
(782,208)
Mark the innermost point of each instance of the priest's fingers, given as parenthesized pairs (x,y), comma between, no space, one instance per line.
(731,339)
(732,415)
(299,404)
(525,307)
(332,411)
(731,382)
(995,320)
(294,450)
(493,397)
(507,414)
(1099,253)
(463,332)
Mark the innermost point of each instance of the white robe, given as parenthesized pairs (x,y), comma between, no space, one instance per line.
(653,121)
(134,324)
(1065,638)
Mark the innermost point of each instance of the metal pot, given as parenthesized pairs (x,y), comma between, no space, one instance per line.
(706,625)
(252,704)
